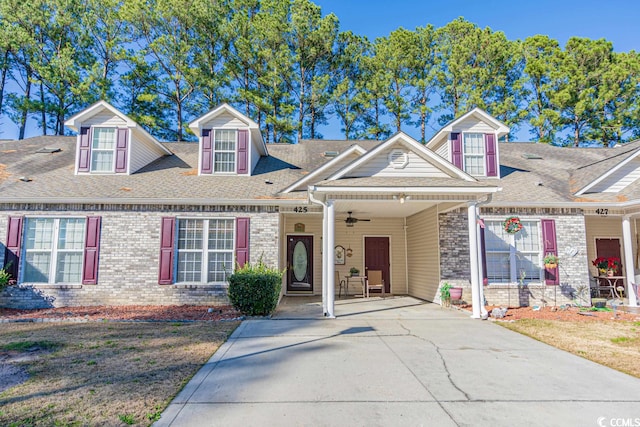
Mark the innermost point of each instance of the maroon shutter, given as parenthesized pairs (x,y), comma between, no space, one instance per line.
(12,250)
(121,150)
(84,151)
(456,149)
(490,154)
(242,241)
(243,151)
(91,251)
(167,241)
(485,274)
(207,151)
(551,275)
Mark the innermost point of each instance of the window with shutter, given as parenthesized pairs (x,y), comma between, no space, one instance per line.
(54,249)
(511,258)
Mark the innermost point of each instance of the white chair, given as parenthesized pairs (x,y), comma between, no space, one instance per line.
(375,281)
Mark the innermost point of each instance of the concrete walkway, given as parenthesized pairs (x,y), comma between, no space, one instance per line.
(397,362)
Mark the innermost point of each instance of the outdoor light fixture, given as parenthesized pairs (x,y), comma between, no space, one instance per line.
(402,198)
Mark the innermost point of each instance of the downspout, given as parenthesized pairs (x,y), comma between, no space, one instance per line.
(406,259)
(483,310)
(312,199)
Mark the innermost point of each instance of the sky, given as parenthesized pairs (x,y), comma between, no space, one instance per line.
(615,20)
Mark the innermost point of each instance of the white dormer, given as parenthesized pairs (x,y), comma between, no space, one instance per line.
(230,142)
(470,142)
(109,142)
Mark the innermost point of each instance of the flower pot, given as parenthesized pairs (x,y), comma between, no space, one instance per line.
(456,293)
(610,273)
(550,265)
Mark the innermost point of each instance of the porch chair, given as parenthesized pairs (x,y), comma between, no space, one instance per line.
(375,281)
(342,284)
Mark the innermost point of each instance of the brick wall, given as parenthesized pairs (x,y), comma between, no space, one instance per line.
(129,252)
(572,251)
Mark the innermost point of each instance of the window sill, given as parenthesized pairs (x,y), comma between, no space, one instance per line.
(50,286)
(511,285)
(199,285)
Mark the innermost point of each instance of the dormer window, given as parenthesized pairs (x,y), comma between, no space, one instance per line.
(473,153)
(224,150)
(103,148)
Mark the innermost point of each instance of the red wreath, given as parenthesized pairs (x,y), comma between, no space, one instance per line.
(512,225)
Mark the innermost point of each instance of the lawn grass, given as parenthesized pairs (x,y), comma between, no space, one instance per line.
(613,344)
(101,373)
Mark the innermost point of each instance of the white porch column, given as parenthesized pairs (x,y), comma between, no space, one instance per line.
(628,260)
(325,252)
(481,272)
(473,258)
(330,238)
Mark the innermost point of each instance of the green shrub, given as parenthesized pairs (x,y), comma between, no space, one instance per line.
(255,288)
(5,277)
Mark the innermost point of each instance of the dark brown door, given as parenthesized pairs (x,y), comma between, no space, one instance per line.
(609,248)
(376,257)
(299,263)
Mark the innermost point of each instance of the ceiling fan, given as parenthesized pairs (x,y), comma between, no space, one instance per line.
(350,220)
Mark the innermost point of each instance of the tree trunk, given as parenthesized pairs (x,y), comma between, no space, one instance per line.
(43,110)
(3,79)
(576,133)
(25,110)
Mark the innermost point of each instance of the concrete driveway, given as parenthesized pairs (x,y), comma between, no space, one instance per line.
(398,362)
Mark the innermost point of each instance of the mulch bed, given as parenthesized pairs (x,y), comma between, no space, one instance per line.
(125,313)
(572,314)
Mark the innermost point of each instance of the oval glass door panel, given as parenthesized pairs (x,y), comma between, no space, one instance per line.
(300,261)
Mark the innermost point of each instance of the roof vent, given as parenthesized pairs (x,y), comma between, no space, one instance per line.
(49,150)
(331,153)
(531,156)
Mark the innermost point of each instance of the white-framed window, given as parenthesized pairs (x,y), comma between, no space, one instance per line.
(513,257)
(205,250)
(224,150)
(103,148)
(54,249)
(473,152)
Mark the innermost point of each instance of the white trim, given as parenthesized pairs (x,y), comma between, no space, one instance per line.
(254,130)
(75,122)
(311,175)
(426,190)
(416,147)
(500,128)
(607,174)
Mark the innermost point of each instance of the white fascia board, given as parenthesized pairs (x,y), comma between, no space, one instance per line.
(607,174)
(254,129)
(154,201)
(418,148)
(74,121)
(353,149)
(425,190)
(501,128)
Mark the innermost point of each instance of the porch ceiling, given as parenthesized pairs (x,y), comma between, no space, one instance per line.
(386,208)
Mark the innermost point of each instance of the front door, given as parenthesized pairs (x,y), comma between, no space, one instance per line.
(300,263)
(376,257)
(608,248)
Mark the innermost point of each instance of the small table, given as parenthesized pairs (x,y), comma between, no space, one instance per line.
(362,279)
(609,284)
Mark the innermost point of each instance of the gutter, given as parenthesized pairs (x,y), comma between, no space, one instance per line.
(436,190)
(156,201)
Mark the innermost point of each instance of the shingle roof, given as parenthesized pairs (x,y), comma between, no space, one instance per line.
(554,178)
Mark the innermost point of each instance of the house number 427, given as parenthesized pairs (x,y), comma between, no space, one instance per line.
(602,211)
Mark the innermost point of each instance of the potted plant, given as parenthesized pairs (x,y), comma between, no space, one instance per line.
(550,260)
(606,265)
(449,293)
(354,272)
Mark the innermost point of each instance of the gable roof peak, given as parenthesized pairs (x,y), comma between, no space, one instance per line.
(81,116)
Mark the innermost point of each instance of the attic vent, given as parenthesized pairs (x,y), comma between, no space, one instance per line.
(48,150)
(398,159)
(331,153)
(531,156)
